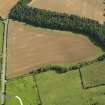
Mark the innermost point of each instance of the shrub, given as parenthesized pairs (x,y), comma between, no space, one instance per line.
(101,58)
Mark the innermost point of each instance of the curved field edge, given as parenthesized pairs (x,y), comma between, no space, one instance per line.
(50,82)
(43,46)
(59,21)
(7,5)
(85,8)
(91,96)
(91,28)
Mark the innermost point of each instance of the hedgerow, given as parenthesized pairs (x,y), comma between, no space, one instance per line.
(62,69)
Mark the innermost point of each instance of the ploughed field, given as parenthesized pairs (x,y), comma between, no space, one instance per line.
(87,8)
(6,6)
(31,47)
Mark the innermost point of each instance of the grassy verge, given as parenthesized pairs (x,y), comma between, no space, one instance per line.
(1,43)
(94,74)
(1,36)
(23,87)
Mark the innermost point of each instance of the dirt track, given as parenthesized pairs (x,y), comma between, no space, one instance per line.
(6,6)
(89,8)
(30,47)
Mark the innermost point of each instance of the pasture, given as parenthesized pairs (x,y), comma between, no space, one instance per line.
(93,9)
(31,47)
(94,74)
(6,6)
(22,87)
(66,89)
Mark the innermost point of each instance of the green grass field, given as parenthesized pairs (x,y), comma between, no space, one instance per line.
(60,89)
(54,89)
(22,87)
(96,96)
(93,74)
(66,89)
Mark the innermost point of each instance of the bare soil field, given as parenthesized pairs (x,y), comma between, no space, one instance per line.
(6,6)
(31,47)
(89,8)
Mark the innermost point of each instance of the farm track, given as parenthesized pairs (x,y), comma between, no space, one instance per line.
(3,72)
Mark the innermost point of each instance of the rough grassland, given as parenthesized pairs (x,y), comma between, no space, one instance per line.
(66,89)
(30,47)
(94,74)
(89,8)
(24,88)
(6,6)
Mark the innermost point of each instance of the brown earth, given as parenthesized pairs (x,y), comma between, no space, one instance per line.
(6,6)
(89,8)
(31,47)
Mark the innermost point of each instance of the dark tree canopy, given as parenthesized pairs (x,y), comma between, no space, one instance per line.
(59,21)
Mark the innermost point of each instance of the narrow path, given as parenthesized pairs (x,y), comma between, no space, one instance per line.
(3,72)
(19,100)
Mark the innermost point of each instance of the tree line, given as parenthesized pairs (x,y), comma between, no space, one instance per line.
(59,21)
(62,69)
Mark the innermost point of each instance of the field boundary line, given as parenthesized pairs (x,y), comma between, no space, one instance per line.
(82,83)
(95,86)
(37,89)
(89,87)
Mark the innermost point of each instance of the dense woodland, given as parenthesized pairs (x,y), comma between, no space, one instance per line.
(59,21)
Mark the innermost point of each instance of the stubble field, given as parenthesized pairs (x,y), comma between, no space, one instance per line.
(6,6)
(87,8)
